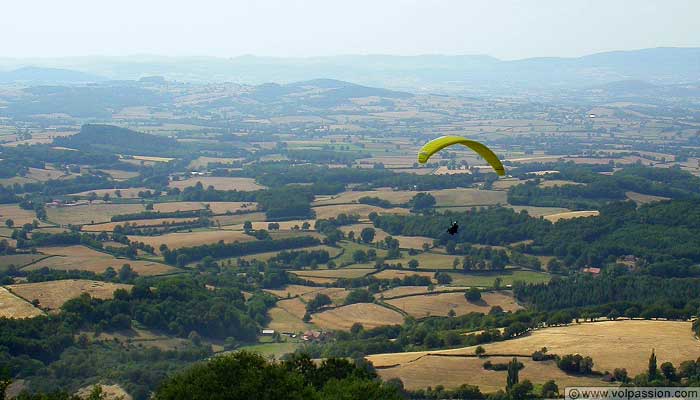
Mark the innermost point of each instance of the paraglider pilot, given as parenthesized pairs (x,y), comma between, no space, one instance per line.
(452,230)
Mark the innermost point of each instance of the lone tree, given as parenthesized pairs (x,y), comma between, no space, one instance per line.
(653,371)
(367,235)
(10,223)
(472,295)
(512,378)
(422,201)
(247,226)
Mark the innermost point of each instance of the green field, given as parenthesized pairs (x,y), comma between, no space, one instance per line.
(351,247)
(275,350)
(486,279)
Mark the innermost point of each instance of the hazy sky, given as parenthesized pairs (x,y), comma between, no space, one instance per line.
(503,28)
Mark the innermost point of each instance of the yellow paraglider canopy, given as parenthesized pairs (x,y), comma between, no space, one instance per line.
(440,143)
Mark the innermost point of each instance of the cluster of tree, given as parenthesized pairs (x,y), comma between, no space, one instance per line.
(178,306)
(277,174)
(359,296)
(599,189)
(341,219)
(299,259)
(138,370)
(429,333)
(494,226)
(39,154)
(161,214)
(110,138)
(317,303)
(575,364)
(244,375)
(619,294)
(288,202)
(79,183)
(422,202)
(7,195)
(185,255)
(479,258)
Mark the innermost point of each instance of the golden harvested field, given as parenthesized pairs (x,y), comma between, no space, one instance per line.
(228,220)
(292,290)
(452,372)
(204,161)
(53,294)
(536,212)
(282,320)
(307,293)
(370,315)
(396,197)
(293,306)
(320,281)
(333,273)
(444,170)
(19,260)
(178,206)
(468,197)
(395,273)
(441,303)
(413,242)
(109,226)
(640,198)
(220,183)
(151,158)
(557,182)
(90,213)
(415,290)
(130,193)
(85,259)
(187,239)
(284,225)
(16,214)
(337,295)
(571,214)
(219,207)
(12,306)
(506,183)
(119,174)
(611,344)
(363,210)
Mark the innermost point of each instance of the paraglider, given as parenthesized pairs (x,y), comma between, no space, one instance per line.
(440,143)
(452,230)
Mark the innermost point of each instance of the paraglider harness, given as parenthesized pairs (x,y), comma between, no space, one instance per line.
(452,230)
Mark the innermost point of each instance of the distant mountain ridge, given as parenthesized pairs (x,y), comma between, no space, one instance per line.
(40,75)
(423,72)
